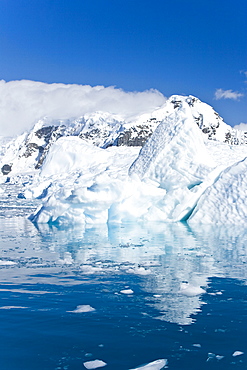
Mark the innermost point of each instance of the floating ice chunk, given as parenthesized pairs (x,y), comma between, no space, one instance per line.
(155,365)
(94,364)
(198,345)
(7,263)
(89,270)
(11,307)
(82,309)
(237,353)
(190,290)
(219,357)
(216,293)
(139,271)
(211,356)
(220,330)
(127,291)
(67,260)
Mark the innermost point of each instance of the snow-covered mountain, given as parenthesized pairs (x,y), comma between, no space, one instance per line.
(158,167)
(28,151)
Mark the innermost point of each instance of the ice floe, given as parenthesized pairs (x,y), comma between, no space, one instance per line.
(127,291)
(190,290)
(12,307)
(83,309)
(154,365)
(95,364)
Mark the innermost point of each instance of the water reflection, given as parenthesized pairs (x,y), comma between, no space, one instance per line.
(173,262)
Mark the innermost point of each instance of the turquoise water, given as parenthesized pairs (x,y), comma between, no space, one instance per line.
(158,292)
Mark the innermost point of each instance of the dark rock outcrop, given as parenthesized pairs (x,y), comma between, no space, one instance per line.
(134,136)
(6,169)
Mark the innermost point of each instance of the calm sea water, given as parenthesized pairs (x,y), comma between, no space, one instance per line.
(126,295)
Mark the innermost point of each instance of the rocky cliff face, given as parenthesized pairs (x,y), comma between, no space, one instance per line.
(137,135)
(48,135)
(103,130)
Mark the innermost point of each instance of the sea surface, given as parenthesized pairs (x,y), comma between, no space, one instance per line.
(125,295)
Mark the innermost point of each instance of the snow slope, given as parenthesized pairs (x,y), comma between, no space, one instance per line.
(175,153)
(225,200)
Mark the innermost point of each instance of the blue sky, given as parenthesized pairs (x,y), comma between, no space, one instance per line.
(178,47)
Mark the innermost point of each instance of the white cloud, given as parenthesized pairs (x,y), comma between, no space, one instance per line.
(23,102)
(241,126)
(227,94)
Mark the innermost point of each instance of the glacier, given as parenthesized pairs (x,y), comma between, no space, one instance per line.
(180,162)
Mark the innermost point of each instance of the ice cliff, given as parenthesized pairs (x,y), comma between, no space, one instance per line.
(181,162)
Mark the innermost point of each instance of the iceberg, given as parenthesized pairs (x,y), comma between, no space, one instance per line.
(181,162)
(97,190)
